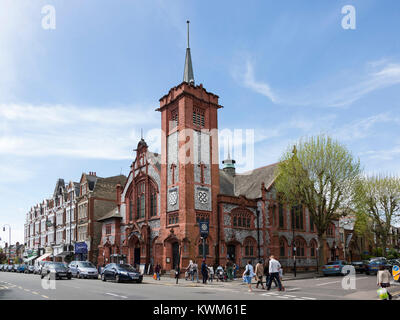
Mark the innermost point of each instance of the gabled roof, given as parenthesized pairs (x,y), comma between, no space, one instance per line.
(155,159)
(114,213)
(248,183)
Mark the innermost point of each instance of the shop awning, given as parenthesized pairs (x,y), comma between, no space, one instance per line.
(30,259)
(43,257)
(63,254)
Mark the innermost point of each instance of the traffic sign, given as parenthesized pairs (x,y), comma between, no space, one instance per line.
(396,273)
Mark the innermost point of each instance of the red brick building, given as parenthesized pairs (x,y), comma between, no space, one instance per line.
(167,194)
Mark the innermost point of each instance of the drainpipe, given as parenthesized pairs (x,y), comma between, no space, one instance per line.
(218,236)
(258,234)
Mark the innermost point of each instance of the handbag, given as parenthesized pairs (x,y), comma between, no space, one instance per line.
(382,293)
(247,272)
(155,276)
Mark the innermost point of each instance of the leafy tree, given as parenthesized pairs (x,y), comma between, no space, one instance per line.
(378,198)
(319,173)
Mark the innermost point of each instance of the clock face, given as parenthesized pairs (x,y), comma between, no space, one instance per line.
(202,196)
(173,197)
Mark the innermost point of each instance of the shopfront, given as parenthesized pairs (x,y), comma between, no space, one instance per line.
(81,251)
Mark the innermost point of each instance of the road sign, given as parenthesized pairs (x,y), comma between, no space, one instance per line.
(396,273)
(204,228)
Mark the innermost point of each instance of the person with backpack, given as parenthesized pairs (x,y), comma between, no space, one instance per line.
(248,274)
(195,272)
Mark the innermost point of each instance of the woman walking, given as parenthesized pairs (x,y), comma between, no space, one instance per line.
(383,279)
(248,274)
(259,274)
(211,273)
(157,270)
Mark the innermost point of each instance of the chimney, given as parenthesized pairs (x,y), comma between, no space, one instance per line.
(119,192)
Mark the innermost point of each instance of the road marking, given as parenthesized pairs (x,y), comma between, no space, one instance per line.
(308,298)
(45,296)
(293,289)
(116,295)
(287,295)
(27,290)
(298,299)
(34,292)
(282,297)
(323,284)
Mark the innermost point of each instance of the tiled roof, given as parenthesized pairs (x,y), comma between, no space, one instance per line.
(114,213)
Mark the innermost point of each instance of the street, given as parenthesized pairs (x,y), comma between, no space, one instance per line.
(29,287)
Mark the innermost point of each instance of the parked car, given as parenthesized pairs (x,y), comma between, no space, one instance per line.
(57,268)
(359,266)
(38,266)
(120,272)
(21,268)
(15,268)
(10,268)
(1,267)
(334,268)
(83,269)
(29,269)
(373,264)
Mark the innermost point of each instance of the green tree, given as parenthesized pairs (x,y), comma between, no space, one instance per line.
(378,198)
(319,173)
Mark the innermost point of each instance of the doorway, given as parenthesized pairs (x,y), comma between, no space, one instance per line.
(232,253)
(136,256)
(175,255)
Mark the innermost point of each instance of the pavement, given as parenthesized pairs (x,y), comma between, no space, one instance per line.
(31,287)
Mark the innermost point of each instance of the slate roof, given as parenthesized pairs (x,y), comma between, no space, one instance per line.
(114,213)
(155,159)
(248,183)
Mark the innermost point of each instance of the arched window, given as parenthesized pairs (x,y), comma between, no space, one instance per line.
(249,248)
(282,248)
(153,202)
(241,219)
(297,217)
(300,247)
(281,217)
(330,232)
(140,200)
(201,247)
(313,249)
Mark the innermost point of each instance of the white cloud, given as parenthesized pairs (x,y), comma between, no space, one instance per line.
(340,91)
(82,132)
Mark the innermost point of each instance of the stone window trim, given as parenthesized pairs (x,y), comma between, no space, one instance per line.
(249,248)
(242,218)
(203,216)
(198,117)
(174,118)
(283,247)
(297,222)
(301,247)
(172,219)
(330,231)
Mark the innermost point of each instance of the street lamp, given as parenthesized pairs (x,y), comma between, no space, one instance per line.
(9,244)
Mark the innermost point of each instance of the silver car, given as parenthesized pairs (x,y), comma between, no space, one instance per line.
(83,269)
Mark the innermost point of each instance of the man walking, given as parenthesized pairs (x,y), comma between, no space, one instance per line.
(204,271)
(274,267)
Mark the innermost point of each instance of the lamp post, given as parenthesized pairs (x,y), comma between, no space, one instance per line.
(70,221)
(9,234)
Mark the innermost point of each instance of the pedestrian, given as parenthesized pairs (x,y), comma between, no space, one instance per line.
(266,273)
(248,274)
(383,279)
(259,274)
(204,271)
(211,273)
(229,269)
(189,270)
(157,270)
(195,272)
(235,270)
(281,278)
(220,273)
(274,267)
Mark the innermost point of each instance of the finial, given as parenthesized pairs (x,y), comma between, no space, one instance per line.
(294,151)
(188,33)
(141,133)
(229,151)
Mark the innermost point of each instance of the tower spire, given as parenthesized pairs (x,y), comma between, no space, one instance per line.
(188,76)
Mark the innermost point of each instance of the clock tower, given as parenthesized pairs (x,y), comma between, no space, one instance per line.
(189,170)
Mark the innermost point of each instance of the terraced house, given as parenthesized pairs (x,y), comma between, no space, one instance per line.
(166,195)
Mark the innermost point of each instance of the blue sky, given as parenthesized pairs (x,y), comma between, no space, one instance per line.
(73,99)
